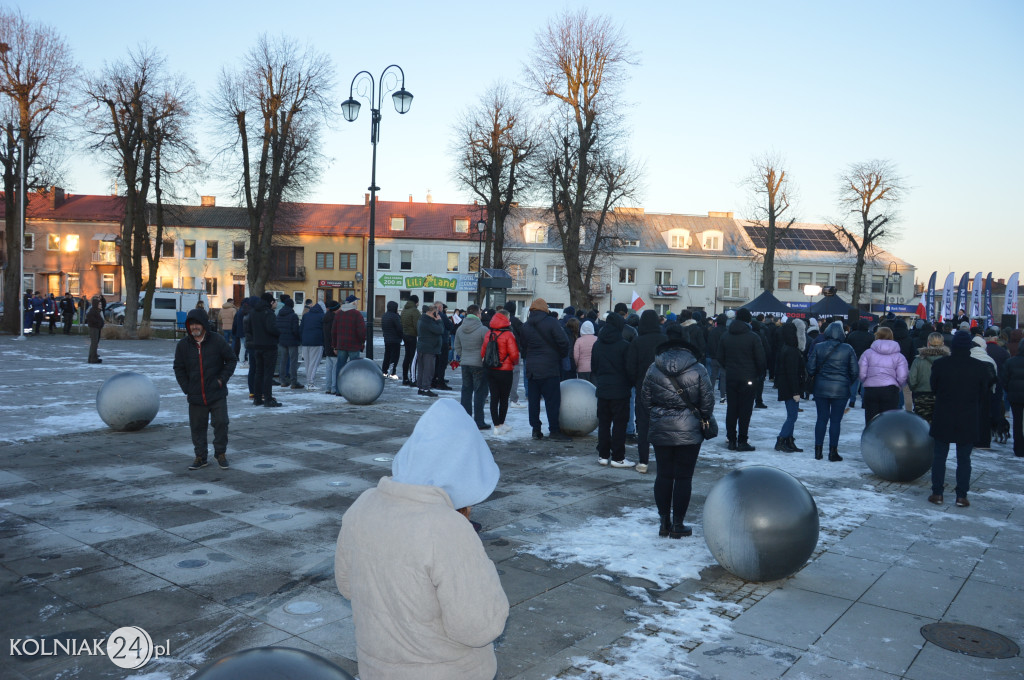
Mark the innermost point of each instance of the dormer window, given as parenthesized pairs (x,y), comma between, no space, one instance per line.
(711,240)
(397,224)
(535,232)
(677,238)
(461,225)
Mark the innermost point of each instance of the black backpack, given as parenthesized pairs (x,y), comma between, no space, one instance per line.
(492,357)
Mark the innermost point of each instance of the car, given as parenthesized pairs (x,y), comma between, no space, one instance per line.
(114,313)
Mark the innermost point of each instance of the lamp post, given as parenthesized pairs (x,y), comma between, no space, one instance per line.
(810,290)
(481,225)
(350,110)
(892,271)
(21,251)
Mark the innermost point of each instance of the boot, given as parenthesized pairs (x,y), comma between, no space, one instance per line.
(833,454)
(781,444)
(793,448)
(817,451)
(679,530)
(666,526)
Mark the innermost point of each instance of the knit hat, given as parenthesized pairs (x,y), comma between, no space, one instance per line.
(730,314)
(586,328)
(962,340)
(267,297)
(743,314)
(539,304)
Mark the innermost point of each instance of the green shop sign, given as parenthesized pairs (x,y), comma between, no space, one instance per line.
(449,282)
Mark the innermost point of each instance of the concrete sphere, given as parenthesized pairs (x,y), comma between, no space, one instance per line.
(577,416)
(128,401)
(271,663)
(760,523)
(897,447)
(361,381)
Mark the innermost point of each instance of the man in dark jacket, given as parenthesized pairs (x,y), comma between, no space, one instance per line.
(391,330)
(441,360)
(859,339)
(693,334)
(741,354)
(1011,378)
(608,371)
(429,332)
(288,340)
(261,324)
(718,375)
(67,311)
(203,364)
(544,344)
(410,326)
(639,358)
(330,355)
(94,319)
(961,386)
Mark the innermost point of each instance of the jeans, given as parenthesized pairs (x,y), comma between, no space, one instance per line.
(631,419)
(673,483)
(500,384)
(229,337)
(265,360)
(611,424)
(963,467)
(331,374)
(878,400)
(199,417)
(854,391)
(830,415)
(474,391)
(718,374)
(517,371)
(410,352)
(643,426)
(740,407)
(343,358)
(551,390)
(288,364)
(792,411)
(392,350)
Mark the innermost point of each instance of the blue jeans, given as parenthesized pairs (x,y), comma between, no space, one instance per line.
(830,414)
(474,392)
(228,336)
(343,357)
(792,410)
(331,374)
(854,391)
(963,467)
(631,422)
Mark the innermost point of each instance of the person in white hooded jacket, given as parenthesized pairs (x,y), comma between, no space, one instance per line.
(426,600)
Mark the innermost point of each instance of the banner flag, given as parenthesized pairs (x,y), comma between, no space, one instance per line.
(1010,305)
(989,318)
(929,298)
(637,302)
(961,294)
(947,299)
(976,297)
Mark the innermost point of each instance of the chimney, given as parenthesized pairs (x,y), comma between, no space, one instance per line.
(410,198)
(1001,282)
(207,201)
(430,199)
(56,197)
(366,200)
(726,215)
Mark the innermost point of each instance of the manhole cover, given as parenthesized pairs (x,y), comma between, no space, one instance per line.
(199,492)
(338,484)
(191,564)
(303,607)
(970,640)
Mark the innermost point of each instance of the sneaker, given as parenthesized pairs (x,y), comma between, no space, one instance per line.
(272,403)
(483,426)
(641,468)
(962,502)
(222,461)
(198,464)
(744,446)
(731,445)
(602,461)
(935,499)
(722,400)
(560,437)
(406,383)
(257,402)
(427,393)
(761,405)
(499,430)
(622,463)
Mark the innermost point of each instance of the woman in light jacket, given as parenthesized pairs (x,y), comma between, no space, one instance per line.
(677,393)
(426,600)
(920,379)
(583,349)
(883,372)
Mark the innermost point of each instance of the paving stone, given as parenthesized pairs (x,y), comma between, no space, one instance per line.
(875,637)
(817,667)
(738,656)
(996,607)
(935,662)
(791,617)
(107,585)
(837,575)
(914,591)
(1001,567)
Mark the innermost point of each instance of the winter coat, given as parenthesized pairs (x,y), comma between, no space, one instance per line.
(882,365)
(673,422)
(860,339)
(741,353)
(1013,346)
(920,378)
(410,319)
(227,315)
(328,329)
(961,386)
(349,331)
(790,368)
(203,369)
(801,335)
(311,328)
(1011,377)
(508,348)
(692,334)
(641,352)
(715,339)
(469,339)
(832,365)
(263,324)
(94,317)
(978,352)
(901,336)
(429,331)
(543,345)
(391,325)
(584,347)
(999,354)
(608,362)
(288,326)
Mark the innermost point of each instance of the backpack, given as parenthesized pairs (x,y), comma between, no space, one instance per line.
(492,357)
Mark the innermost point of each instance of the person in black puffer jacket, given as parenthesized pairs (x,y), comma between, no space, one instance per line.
(261,324)
(741,353)
(859,339)
(203,364)
(675,385)
(639,358)
(832,365)
(391,329)
(789,380)
(608,370)
(543,344)
(718,375)
(288,341)
(1011,377)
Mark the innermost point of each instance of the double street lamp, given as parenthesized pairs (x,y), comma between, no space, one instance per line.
(350,110)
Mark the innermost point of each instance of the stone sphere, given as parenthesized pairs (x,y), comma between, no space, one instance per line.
(361,381)
(897,447)
(760,523)
(128,401)
(271,663)
(577,416)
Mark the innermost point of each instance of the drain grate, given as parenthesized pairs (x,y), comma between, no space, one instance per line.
(970,640)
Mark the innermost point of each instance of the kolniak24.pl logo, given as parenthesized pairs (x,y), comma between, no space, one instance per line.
(128,647)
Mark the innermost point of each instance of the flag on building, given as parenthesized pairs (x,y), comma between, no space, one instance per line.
(637,302)
(947,299)
(1010,305)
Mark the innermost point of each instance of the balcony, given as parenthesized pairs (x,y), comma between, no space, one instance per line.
(734,294)
(104,257)
(520,287)
(665,292)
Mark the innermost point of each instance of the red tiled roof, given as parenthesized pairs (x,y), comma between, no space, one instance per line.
(77,208)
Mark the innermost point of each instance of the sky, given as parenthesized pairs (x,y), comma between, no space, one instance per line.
(935,87)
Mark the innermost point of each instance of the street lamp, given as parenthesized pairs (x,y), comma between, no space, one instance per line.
(481,225)
(350,110)
(810,290)
(892,271)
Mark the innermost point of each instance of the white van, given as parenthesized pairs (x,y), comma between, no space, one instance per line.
(167,302)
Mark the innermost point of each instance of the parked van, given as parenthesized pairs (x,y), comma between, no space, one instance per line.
(167,302)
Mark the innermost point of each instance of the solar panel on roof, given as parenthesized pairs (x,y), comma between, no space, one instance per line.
(821,240)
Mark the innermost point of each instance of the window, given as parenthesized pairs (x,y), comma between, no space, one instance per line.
(397,224)
(541,235)
(894,285)
(663,277)
(74,284)
(731,284)
(803,280)
(348,261)
(785,281)
(629,243)
(164,303)
(517,274)
(238,250)
(842,283)
(71,243)
(428,296)
(166,282)
(474,264)
(877,283)
(108,284)
(383,259)
(712,240)
(325,260)
(556,273)
(190,249)
(168,248)
(453,262)
(627,275)
(299,296)
(210,284)
(695,277)
(461,225)
(663,308)
(30,242)
(821,279)
(53,241)
(28,282)
(451,297)
(188,282)
(406,265)
(212,250)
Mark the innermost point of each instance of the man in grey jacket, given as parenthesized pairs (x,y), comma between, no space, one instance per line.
(469,338)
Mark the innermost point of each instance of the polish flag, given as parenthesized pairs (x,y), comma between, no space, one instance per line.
(637,302)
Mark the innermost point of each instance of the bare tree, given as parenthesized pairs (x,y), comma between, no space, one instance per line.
(579,65)
(271,109)
(36,73)
(871,190)
(136,110)
(495,143)
(772,198)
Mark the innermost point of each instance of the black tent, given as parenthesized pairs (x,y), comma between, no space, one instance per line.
(766,303)
(832,306)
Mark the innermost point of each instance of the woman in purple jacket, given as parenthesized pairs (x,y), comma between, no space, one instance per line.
(883,372)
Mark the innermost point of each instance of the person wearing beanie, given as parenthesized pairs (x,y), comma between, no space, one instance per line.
(348,333)
(329,354)
(543,345)
(920,379)
(311,332)
(426,599)
(613,387)
(261,324)
(832,366)
(517,371)
(961,387)
(742,355)
(288,341)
